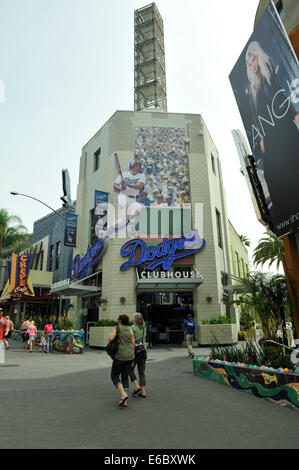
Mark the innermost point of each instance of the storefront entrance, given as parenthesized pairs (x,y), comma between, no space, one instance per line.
(165,313)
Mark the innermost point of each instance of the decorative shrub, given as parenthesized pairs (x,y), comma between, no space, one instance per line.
(107,323)
(217,321)
(253,354)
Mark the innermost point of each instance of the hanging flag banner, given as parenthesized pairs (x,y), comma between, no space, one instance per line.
(100,211)
(19,280)
(70,230)
(265,82)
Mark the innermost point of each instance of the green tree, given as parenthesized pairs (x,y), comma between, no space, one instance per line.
(267,295)
(12,233)
(270,250)
(245,241)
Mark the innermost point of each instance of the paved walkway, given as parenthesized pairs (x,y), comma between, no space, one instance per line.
(59,401)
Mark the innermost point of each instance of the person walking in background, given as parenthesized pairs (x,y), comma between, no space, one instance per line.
(25,333)
(48,330)
(32,330)
(10,331)
(123,359)
(190,332)
(4,326)
(148,333)
(139,331)
(43,342)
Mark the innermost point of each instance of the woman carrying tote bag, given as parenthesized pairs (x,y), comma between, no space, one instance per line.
(123,359)
(139,332)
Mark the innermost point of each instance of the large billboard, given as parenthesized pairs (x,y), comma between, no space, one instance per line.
(265,82)
(162,155)
(153,195)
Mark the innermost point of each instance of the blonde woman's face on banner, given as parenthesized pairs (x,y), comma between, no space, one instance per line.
(253,63)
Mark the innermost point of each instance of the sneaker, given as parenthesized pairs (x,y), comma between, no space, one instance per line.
(192,356)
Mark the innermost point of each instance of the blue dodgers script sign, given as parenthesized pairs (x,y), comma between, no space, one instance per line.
(81,266)
(166,252)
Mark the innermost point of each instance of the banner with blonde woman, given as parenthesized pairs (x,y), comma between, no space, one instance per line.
(265,82)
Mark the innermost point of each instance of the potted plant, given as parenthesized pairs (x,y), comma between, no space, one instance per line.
(99,332)
(217,331)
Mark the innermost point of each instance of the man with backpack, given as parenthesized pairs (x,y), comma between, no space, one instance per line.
(190,333)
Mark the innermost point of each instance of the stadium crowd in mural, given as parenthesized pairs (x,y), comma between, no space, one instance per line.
(161,152)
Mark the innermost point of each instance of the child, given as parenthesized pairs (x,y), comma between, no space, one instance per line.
(43,342)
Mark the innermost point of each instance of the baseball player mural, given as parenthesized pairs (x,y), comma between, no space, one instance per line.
(128,185)
(158,178)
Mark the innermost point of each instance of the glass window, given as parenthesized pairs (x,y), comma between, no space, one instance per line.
(243,268)
(58,245)
(237,264)
(51,258)
(213,164)
(96,160)
(41,260)
(92,234)
(219,229)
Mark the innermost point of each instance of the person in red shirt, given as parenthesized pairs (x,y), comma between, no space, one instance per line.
(4,325)
(48,330)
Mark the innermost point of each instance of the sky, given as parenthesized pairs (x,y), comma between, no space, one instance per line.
(68,65)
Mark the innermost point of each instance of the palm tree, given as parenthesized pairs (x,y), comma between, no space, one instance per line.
(270,250)
(12,233)
(267,295)
(245,241)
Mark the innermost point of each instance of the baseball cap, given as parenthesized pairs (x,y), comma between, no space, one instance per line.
(133,163)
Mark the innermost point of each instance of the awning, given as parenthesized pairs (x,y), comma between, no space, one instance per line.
(234,289)
(75,289)
(29,298)
(163,284)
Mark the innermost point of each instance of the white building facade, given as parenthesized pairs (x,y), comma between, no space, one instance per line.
(177,152)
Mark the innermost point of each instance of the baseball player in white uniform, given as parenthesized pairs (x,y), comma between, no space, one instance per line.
(128,189)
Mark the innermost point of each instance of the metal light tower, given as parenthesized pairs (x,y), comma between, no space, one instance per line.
(149,73)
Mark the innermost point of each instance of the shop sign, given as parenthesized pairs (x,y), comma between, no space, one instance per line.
(164,253)
(19,281)
(81,266)
(70,230)
(65,282)
(169,275)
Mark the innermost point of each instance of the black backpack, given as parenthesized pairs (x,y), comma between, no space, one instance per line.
(112,346)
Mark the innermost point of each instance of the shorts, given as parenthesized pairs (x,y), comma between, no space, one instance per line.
(31,338)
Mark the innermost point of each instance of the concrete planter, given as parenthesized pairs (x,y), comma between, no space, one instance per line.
(218,334)
(98,336)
